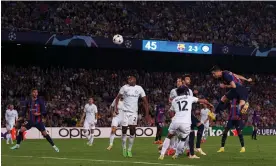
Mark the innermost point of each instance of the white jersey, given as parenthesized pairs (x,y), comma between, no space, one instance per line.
(131,96)
(11,116)
(173,93)
(90,111)
(182,106)
(204,116)
(119,106)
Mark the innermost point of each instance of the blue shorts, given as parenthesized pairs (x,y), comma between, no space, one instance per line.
(195,121)
(239,93)
(29,124)
(238,124)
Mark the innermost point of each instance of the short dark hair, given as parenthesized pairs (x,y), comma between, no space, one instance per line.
(215,68)
(185,76)
(183,90)
(33,89)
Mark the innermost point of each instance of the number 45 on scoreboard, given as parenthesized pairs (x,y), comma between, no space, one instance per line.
(150,45)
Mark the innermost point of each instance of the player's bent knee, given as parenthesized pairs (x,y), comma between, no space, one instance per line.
(44,133)
(113,130)
(170,136)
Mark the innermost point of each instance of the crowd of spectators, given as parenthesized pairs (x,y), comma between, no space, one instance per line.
(66,90)
(233,23)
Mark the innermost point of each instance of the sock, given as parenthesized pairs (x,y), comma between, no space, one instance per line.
(87,134)
(255,134)
(223,139)
(199,135)
(91,140)
(166,144)
(160,137)
(124,138)
(172,142)
(112,136)
(8,137)
(130,142)
(241,140)
(191,143)
(205,133)
(19,138)
(220,107)
(180,148)
(49,139)
(156,138)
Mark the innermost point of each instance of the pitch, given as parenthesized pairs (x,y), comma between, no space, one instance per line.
(75,152)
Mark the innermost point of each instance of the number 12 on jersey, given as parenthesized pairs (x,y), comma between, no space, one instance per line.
(151,45)
(182,105)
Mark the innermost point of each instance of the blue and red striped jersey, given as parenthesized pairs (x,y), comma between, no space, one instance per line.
(228,76)
(32,106)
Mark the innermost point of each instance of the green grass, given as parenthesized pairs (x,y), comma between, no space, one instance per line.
(75,152)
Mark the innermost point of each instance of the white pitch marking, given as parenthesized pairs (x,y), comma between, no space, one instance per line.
(107,161)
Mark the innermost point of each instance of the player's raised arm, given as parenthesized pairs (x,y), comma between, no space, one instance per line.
(243,78)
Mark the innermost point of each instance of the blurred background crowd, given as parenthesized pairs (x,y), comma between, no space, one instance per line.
(66,91)
(233,23)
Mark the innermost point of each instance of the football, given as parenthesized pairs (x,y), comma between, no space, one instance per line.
(118,39)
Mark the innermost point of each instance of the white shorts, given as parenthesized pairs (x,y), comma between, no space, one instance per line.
(182,129)
(89,125)
(9,126)
(129,119)
(116,121)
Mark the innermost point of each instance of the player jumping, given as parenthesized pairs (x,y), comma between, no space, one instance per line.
(234,120)
(182,106)
(116,121)
(11,117)
(90,113)
(236,89)
(130,94)
(35,108)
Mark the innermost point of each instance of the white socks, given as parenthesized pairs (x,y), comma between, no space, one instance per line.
(112,136)
(180,148)
(124,138)
(166,144)
(86,133)
(131,141)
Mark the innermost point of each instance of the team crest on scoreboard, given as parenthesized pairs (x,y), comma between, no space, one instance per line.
(181,47)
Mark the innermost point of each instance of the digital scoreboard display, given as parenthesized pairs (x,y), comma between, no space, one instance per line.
(180,47)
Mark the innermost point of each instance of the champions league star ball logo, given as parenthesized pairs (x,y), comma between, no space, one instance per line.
(128,44)
(225,49)
(181,47)
(12,36)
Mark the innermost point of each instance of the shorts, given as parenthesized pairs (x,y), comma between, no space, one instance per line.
(29,124)
(182,129)
(89,125)
(238,124)
(195,121)
(159,124)
(239,93)
(255,124)
(116,121)
(129,118)
(9,126)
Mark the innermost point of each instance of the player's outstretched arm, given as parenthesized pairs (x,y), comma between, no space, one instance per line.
(243,78)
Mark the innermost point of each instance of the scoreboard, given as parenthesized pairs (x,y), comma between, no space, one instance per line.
(180,47)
